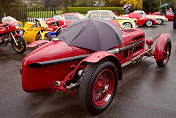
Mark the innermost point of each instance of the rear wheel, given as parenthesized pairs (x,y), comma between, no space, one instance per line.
(98,86)
(166,55)
(160,21)
(148,23)
(48,37)
(21,47)
(127,25)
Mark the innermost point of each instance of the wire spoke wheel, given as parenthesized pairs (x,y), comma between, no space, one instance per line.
(98,86)
(21,47)
(103,87)
(166,55)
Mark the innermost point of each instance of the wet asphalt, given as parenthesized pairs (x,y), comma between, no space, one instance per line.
(145,91)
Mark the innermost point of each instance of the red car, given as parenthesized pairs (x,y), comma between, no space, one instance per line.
(71,17)
(169,14)
(80,60)
(143,20)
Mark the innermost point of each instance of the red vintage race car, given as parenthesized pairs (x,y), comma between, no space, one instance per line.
(144,21)
(89,56)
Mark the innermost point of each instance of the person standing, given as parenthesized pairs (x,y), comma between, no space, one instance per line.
(174,22)
(164,11)
(126,10)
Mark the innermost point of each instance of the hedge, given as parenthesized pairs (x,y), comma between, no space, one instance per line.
(84,10)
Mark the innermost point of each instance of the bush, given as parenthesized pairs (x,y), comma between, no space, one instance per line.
(84,10)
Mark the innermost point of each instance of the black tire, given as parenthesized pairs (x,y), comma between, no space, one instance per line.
(88,82)
(48,37)
(127,25)
(166,56)
(160,21)
(149,23)
(21,48)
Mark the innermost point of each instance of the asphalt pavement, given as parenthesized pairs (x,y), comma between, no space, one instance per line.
(145,91)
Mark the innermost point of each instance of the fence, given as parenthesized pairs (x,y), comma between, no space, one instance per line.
(25,14)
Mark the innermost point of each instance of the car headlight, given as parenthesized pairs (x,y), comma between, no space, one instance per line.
(17,26)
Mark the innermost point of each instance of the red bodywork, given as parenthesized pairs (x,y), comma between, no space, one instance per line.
(169,14)
(43,78)
(5,30)
(141,20)
(40,79)
(56,22)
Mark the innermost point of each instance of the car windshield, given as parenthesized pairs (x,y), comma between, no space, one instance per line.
(58,17)
(9,19)
(70,17)
(102,14)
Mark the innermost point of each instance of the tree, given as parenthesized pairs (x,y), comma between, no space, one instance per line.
(151,5)
(65,3)
(50,4)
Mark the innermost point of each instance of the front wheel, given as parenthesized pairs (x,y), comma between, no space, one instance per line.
(148,23)
(98,86)
(127,25)
(166,55)
(160,21)
(21,47)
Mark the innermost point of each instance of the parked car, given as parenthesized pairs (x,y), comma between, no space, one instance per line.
(169,14)
(109,15)
(71,17)
(89,56)
(144,21)
(159,18)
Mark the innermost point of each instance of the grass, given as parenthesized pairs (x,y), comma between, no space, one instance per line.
(43,14)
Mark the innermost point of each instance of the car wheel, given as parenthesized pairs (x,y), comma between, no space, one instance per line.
(98,86)
(127,25)
(166,55)
(160,21)
(149,23)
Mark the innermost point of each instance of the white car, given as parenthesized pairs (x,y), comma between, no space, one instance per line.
(109,15)
(159,18)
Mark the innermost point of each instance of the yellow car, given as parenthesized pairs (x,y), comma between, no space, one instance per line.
(35,31)
(108,14)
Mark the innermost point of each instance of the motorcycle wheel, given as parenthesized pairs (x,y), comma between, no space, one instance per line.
(48,37)
(21,48)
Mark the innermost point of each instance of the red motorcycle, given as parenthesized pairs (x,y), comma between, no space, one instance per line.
(9,34)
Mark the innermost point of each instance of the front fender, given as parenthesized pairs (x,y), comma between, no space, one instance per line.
(97,56)
(17,35)
(159,49)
